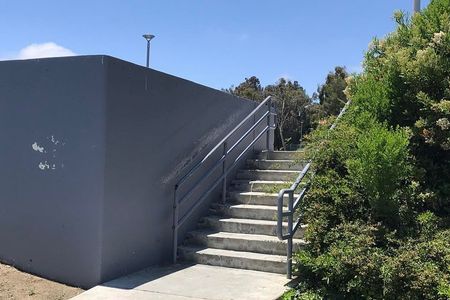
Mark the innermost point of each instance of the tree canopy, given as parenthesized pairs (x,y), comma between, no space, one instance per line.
(331,94)
(249,89)
(290,99)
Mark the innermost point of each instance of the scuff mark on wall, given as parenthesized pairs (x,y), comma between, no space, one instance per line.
(201,144)
(44,165)
(54,141)
(37,148)
(50,160)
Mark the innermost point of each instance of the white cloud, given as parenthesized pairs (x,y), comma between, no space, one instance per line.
(42,50)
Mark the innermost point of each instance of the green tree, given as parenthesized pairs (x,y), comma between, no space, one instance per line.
(331,94)
(249,89)
(290,100)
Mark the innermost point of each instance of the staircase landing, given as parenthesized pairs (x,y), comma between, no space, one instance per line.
(190,282)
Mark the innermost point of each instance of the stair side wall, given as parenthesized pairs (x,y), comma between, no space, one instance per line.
(158,127)
(52,126)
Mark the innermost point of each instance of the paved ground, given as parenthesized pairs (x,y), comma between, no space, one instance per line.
(188,282)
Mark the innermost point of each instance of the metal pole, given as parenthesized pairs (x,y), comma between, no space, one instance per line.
(416,6)
(301,132)
(148,38)
(269,109)
(254,121)
(224,183)
(289,241)
(148,53)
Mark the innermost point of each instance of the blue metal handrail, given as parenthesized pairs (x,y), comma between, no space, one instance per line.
(293,205)
(221,162)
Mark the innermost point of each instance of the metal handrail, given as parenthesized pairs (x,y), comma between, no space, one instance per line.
(222,161)
(292,206)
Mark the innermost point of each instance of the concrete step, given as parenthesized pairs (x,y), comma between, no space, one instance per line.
(245,211)
(246,226)
(263,164)
(256,198)
(267,186)
(234,259)
(242,242)
(281,155)
(281,175)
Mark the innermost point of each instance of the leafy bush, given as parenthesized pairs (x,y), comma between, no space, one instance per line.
(428,224)
(308,295)
(419,270)
(380,165)
(379,208)
(350,267)
(407,83)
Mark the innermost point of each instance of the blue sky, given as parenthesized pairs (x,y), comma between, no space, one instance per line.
(213,42)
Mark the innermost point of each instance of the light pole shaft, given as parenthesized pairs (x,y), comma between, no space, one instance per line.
(416,6)
(301,132)
(148,53)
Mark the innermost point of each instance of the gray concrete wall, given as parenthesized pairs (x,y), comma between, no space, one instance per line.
(158,126)
(91,150)
(52,126)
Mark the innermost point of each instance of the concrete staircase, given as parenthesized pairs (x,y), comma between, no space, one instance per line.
(242,232)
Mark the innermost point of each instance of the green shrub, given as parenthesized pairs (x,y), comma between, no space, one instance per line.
(331,201)
(349,268)
(418,270)
(298,295)
(379,207)
(406,83)
(330,149)
(428,224)
(380,165)
(370,96)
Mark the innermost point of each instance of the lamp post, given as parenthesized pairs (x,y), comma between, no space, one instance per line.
(301,131)
(416,6)
(148,37)
(300,113)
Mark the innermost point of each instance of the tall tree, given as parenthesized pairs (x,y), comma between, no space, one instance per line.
(249,89)
(331,93)
(290,99)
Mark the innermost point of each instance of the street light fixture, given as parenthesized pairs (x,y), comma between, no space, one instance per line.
(300,113)
(416,6)
(148,37)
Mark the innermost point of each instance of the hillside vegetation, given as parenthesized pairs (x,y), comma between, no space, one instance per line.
(379,208)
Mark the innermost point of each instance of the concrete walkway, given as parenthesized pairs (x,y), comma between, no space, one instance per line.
(188,282)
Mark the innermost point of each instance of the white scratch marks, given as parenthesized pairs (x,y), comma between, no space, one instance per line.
(44,165)
(37,148)
(49,161)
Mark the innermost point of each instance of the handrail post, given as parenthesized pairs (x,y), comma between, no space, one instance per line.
(226,167)
(289,241)
(254,122)
(175,224)
(224,184)
(269,109)
(290,213)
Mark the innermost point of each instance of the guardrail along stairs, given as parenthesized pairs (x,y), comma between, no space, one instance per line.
(253,227)
(242,231)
